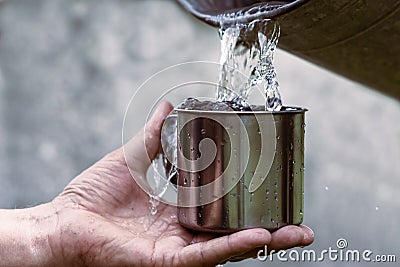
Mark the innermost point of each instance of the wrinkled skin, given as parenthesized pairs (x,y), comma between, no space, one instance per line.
(103,219)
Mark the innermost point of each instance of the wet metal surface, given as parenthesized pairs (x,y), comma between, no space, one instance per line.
(68,69)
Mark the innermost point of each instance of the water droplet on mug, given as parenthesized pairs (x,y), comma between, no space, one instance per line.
(326,188)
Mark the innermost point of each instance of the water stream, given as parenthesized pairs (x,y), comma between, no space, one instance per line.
(247,55)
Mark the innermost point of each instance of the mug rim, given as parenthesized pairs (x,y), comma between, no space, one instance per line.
(284,110)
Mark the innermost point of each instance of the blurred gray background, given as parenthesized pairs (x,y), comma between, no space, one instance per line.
(68,69)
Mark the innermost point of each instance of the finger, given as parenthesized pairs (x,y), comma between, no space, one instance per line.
(218,250)
(308,238)
(248,255)
(142,149)
(287,237)
(308,235)
(153,128)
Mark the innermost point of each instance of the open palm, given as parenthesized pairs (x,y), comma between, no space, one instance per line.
(104,218)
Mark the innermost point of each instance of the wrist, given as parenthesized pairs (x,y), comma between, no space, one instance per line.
(25,235)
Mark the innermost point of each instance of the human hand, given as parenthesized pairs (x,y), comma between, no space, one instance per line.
(102,218)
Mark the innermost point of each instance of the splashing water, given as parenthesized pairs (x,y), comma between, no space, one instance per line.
(229,68)
(247,54)
(153,205)
(161,182)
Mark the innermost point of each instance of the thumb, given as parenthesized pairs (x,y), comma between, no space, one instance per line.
(143,148)
(215,251)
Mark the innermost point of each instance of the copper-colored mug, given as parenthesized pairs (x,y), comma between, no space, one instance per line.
(240,169)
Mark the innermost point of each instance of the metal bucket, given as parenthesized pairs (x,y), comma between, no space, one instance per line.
(254,176)
(356,39)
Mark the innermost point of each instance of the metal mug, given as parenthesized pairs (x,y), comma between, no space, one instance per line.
(240,169)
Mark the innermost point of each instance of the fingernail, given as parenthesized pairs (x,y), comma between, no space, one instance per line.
(305,236)
(310,230)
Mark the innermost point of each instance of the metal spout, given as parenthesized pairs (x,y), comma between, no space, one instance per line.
(356,39)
